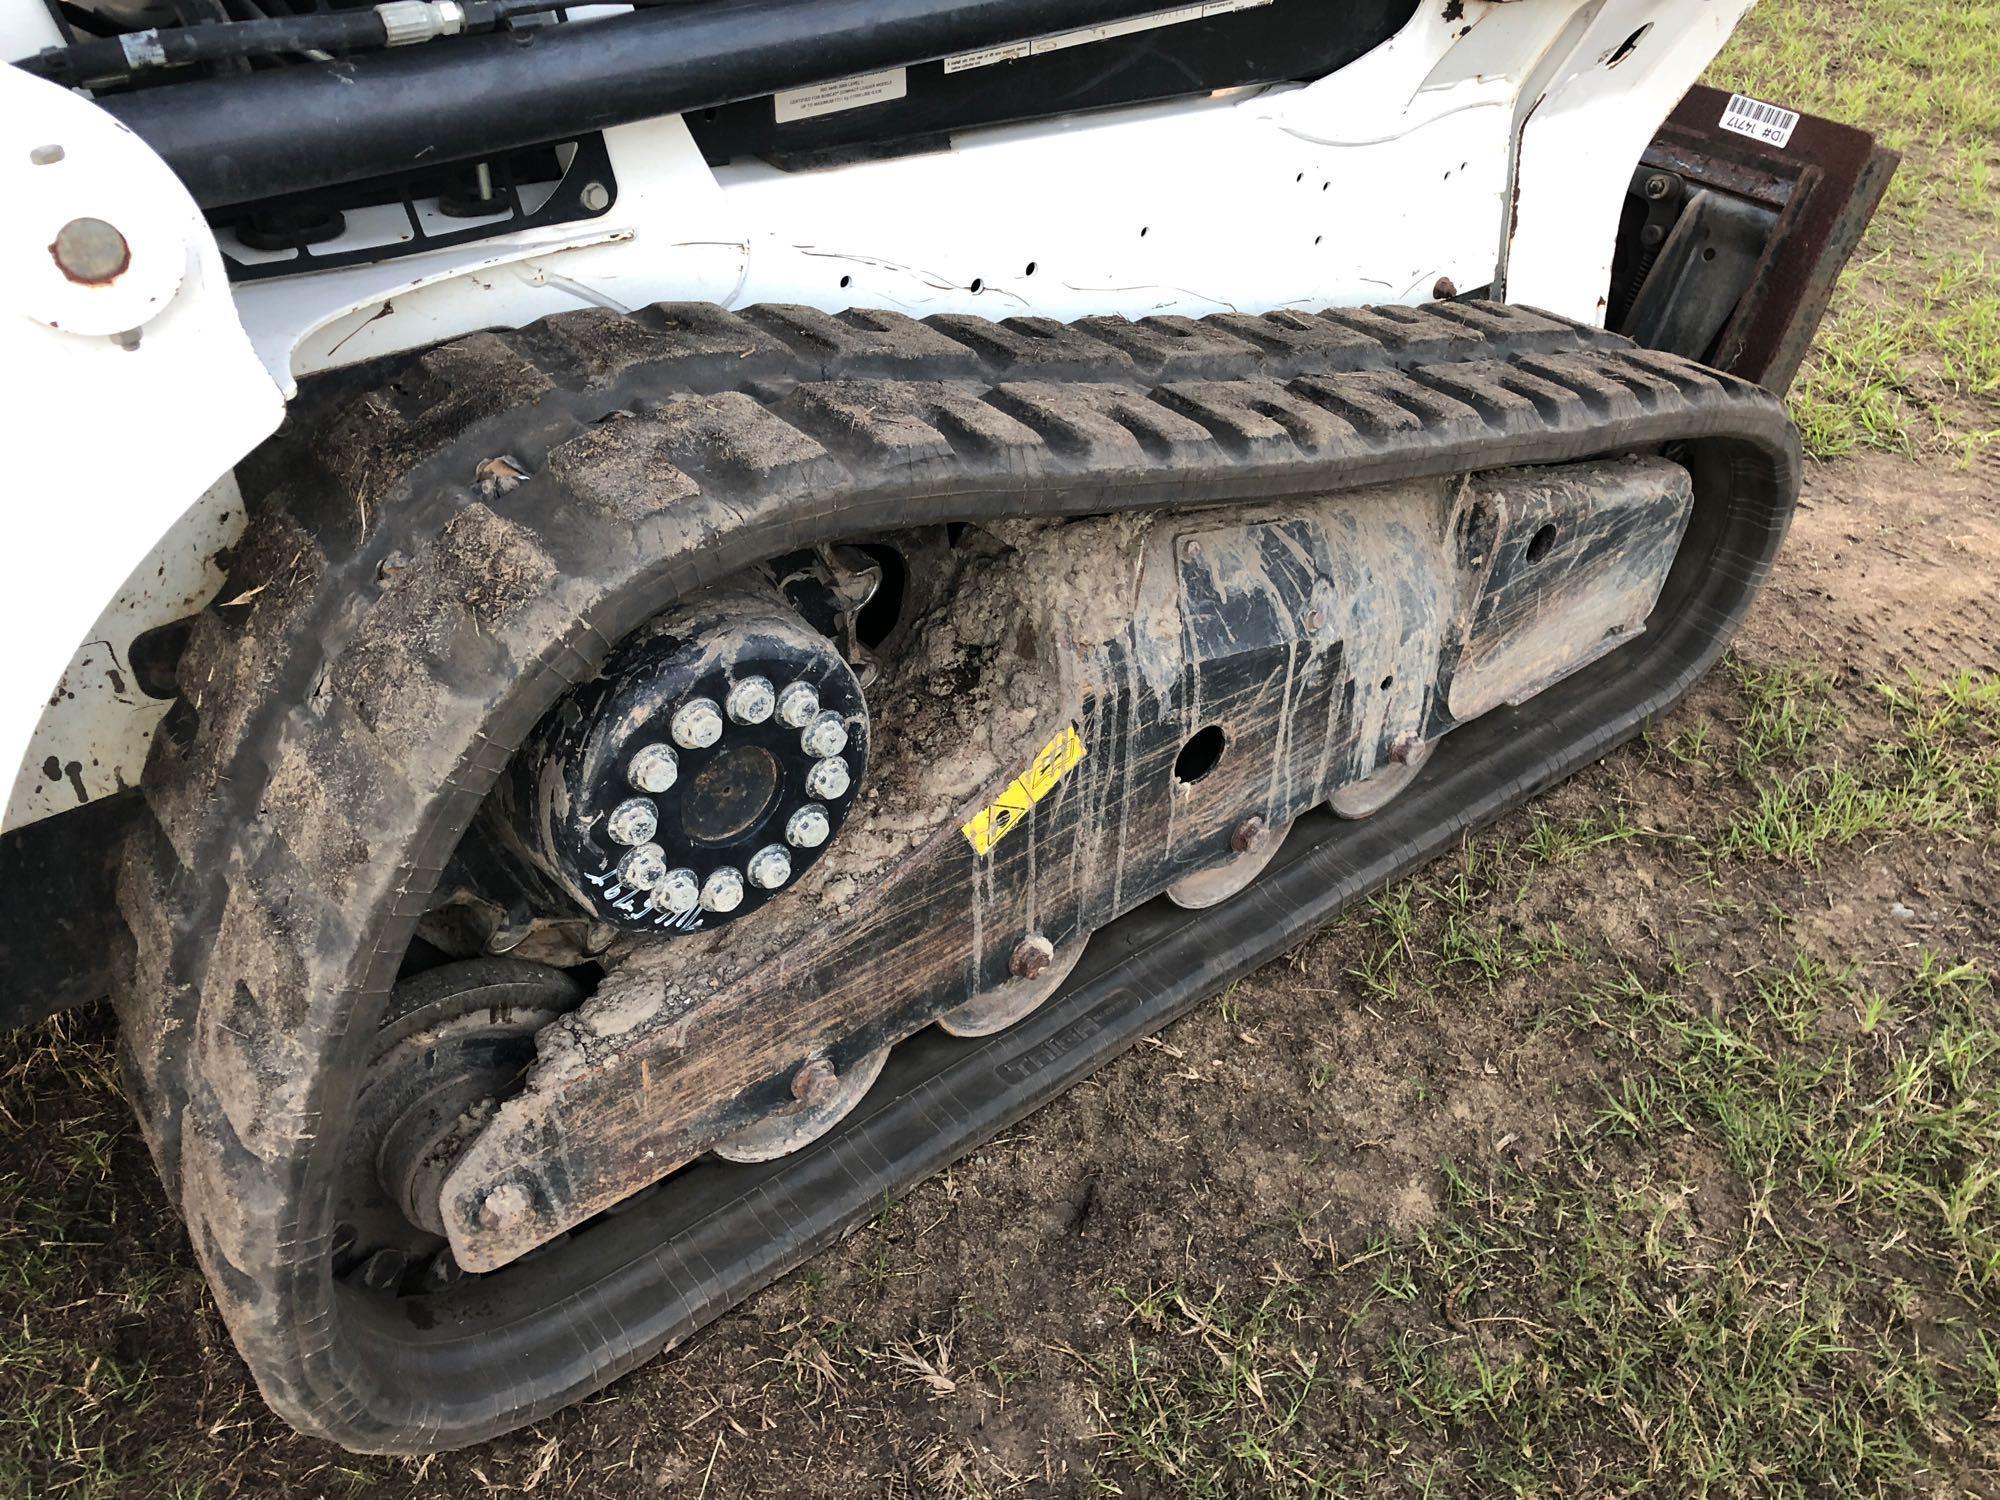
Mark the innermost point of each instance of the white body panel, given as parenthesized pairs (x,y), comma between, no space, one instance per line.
(1486,145)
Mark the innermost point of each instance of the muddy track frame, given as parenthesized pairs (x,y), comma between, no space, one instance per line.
(402,612)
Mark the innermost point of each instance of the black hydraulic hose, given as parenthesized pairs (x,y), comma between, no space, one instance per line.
(118,57)
(312,125)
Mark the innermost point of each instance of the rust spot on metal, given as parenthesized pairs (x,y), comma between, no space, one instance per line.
(1032,957)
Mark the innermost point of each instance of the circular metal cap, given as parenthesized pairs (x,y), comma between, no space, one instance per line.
(90,250)
(697,724)
(644,867)
(808,827)
(633,821)
(828,779)
(655,768)
(826,735)
(679,892)
(751,700)
(722,891)
(798,703)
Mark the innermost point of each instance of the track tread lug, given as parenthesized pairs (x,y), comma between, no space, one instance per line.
(1175,348)
(1019,349)
(850,346)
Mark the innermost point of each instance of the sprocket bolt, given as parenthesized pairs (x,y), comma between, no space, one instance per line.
(1252,836)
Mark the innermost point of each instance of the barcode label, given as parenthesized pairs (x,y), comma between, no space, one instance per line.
(1760,121)
(1012,51)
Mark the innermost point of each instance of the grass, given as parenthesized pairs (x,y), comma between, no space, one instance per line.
(1762,1258)
(1909,358)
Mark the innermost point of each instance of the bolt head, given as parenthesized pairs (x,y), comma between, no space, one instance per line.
(91,251)
(595,197)
(1404,747)
(826,735)
(808,827)
(1444,289)
(1031,957)
(46,156)
(722,892)
(677,894)
(813,1082)
(828,779)
(770,867)
(633,821)
(751,700)
(697,724)
(798,704)
(654,768)
(506,1205)
(1658,186)
(1251,836)
(644,867)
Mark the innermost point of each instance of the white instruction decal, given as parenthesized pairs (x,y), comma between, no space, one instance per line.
(987,56)
(842,93)
(1761,122)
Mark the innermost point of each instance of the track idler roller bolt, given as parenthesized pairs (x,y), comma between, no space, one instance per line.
(815,1082)
(822,1096)
(1375,791)
(1038,967)
(1252,836)
(1032,956)
(1253,843)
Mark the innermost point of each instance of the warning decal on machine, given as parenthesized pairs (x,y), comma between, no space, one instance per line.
(992,824)
(842,93)
(987,56)
(1761,122)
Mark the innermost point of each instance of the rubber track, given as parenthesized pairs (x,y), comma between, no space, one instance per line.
(406,619)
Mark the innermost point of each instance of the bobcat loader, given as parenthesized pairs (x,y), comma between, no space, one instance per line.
(633,626)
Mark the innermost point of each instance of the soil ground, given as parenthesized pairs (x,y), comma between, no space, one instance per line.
(1649,1142)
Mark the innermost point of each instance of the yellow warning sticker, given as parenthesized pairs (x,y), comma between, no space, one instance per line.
(994,823)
